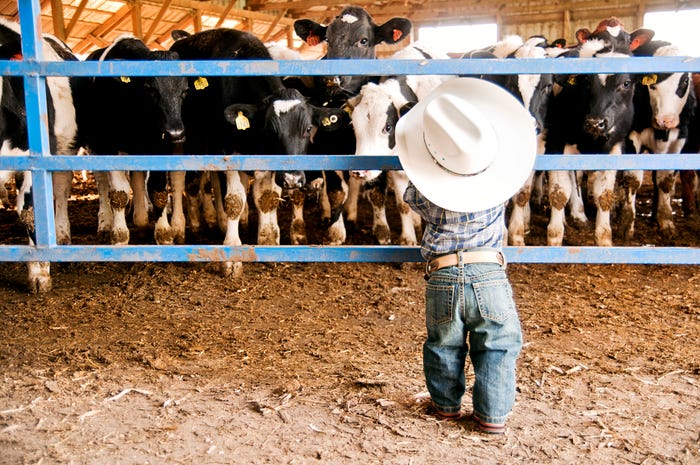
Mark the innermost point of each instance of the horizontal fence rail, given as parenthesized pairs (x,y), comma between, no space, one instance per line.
(41,163)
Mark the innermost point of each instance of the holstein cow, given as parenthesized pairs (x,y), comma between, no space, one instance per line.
(690,185)
(284,123)
(352,34)
(375,112)
(141,116)
(62,128)
(534,91)
(265,118)
(664,106)
(591,114)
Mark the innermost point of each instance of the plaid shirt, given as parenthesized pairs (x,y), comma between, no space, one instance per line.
(447,231)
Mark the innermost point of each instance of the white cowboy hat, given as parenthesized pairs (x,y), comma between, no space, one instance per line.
(468,146)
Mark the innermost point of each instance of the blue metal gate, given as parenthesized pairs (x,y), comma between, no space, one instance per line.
(41,163)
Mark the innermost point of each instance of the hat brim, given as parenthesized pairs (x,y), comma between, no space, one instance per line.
(517,146)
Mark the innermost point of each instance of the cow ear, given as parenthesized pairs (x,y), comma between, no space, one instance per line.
(640,37)
(406,107)
(309,31)
(582,35)
(330,119)
(393,31)
(240,115)
(178,34)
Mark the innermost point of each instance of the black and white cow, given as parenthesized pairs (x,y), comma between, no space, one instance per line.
(284,123)
(592,113)
(664,107)
(141,116)
(250,115)
(690,179)
(352,34)
(534,91)
(62,128)
(375,112)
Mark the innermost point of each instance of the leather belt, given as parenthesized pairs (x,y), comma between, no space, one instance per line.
(476,256)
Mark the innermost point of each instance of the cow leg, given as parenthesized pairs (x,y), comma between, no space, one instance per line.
(62,184)
(665,184)
(351,203)
(537,193)
(559,192)
(158,193)
(297,233)
(233,204)
(333,197)
(119,191)
(207,200)
(629,184)
(689,191)
(604,197)
(105,215)
(375,192)
(5,177)
(266,196)
(577,208)
(177,219)
(519,220)
(399,183)
(139,199)
(194,200)
(38,273)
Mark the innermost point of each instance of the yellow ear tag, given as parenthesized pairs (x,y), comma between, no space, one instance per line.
(347,109)
(125,79)
(572,80)
(201,83)
(326,121)
(242,122)
(650,79)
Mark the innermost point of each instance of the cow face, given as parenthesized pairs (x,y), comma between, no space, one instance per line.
(353,34)
(284,124)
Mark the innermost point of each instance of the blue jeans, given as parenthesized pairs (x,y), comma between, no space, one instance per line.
(473,301)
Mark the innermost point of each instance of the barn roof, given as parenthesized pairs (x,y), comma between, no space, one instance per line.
(89,24)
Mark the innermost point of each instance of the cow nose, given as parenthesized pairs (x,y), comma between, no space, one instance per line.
(176,135)
(596,125)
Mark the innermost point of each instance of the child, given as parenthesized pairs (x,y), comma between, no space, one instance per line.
(467,148)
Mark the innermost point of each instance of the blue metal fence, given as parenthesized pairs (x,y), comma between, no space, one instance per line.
(41,163)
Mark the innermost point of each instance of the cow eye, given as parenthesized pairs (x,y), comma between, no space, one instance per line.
(388,129)
(307,131)
(652,87)
(627,84)
(364,41)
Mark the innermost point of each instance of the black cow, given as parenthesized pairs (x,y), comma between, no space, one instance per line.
(62,130)
(591,113)
(140,116)
(664,106)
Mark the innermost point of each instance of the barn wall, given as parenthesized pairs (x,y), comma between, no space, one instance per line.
(555,29)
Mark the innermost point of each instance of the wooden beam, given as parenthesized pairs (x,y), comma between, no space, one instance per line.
(197,21)
(167,37)
(307,4)
(103,28)
(136,21)
(59,25)
(76,17)
(225,13)
(163,8)
(273,25)
(216,10)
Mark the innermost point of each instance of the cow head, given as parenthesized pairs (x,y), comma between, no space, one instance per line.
(284,124)
(667,96)
(353,34)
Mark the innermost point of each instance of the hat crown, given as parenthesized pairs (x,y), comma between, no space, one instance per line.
(458,136)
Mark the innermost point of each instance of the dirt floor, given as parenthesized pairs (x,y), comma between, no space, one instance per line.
(293,363)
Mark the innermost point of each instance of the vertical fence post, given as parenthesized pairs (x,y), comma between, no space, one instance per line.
(37,122)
